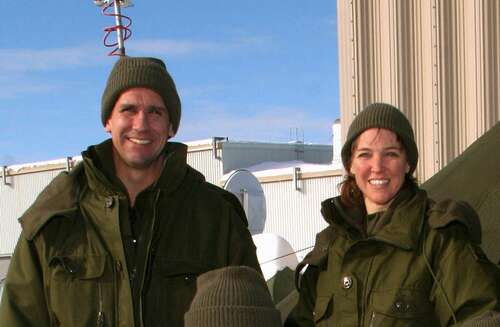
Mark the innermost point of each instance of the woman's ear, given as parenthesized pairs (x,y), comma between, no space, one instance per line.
(407,168)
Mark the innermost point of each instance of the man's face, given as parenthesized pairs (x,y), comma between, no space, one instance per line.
(140,127)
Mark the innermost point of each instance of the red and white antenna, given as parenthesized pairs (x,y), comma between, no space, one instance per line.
(123,32)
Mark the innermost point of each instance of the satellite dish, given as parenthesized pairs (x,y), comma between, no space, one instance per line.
(247,189)
(274,254)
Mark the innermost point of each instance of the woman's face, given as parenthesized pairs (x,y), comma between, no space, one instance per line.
(379,165)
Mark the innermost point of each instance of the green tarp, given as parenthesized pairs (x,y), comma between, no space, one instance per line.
(474,176)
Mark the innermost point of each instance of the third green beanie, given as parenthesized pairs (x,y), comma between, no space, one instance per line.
(230,297)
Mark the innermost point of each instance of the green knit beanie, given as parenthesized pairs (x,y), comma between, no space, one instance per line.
(232,296)
(151,73)
(382,115)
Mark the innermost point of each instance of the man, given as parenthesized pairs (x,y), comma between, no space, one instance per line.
(120,240)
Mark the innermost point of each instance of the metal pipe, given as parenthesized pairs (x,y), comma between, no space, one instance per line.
(4,175)
(119,30)
(215,142)
(296,172)
(69,163)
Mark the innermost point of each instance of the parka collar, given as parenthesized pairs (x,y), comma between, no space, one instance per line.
(101,176)
(400,224)
(404,221)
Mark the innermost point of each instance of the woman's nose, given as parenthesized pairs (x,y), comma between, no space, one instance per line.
(377,163)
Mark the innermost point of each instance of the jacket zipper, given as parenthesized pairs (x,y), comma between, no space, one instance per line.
(153,223)
(100,314)
(372,320)
(117,269)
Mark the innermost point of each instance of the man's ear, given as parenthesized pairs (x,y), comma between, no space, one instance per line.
(171,132)
(107,127)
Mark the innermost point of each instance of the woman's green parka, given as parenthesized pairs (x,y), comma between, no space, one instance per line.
(421,265)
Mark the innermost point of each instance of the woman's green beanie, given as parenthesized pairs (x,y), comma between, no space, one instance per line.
(151,73)
(382,115)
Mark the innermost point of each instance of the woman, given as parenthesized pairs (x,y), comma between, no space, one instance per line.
(390,255)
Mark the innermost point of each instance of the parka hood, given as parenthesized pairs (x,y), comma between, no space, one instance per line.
(402,222)
(398,225)
(59,197)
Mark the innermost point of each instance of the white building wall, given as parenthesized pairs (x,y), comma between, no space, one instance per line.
(205,163)
(296,215)
(245,154)
(14,200)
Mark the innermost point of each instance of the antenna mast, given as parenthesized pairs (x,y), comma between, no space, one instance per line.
(123,32)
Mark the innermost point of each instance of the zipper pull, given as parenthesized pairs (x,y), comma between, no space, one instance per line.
(372,321)
(100,319)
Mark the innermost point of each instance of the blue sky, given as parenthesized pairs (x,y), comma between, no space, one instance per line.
(246,70)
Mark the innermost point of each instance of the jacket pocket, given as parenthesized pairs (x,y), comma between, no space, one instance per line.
(402,307)
(81,268)
(81,290)
(171,289)
(323,309)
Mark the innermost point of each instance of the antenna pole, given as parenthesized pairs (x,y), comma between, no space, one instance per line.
(119,26)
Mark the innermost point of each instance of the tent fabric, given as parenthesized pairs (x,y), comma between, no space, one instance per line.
(474,177)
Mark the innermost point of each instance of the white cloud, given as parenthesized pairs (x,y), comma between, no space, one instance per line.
(85,55)
(169,47)
(18,65)
(11,90)
(29,60)
(269,123)
(191,47)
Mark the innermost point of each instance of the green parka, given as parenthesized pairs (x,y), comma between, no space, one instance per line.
(420,265)
(70,265)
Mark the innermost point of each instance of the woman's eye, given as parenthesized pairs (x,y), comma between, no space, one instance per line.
(363,155)
(393,154)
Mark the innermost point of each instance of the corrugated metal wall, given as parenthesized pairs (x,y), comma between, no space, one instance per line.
(14,200)
(204,162)
(295,215)
(437,60)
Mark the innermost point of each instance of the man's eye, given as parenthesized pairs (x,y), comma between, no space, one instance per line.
(125,109)
(156,111)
